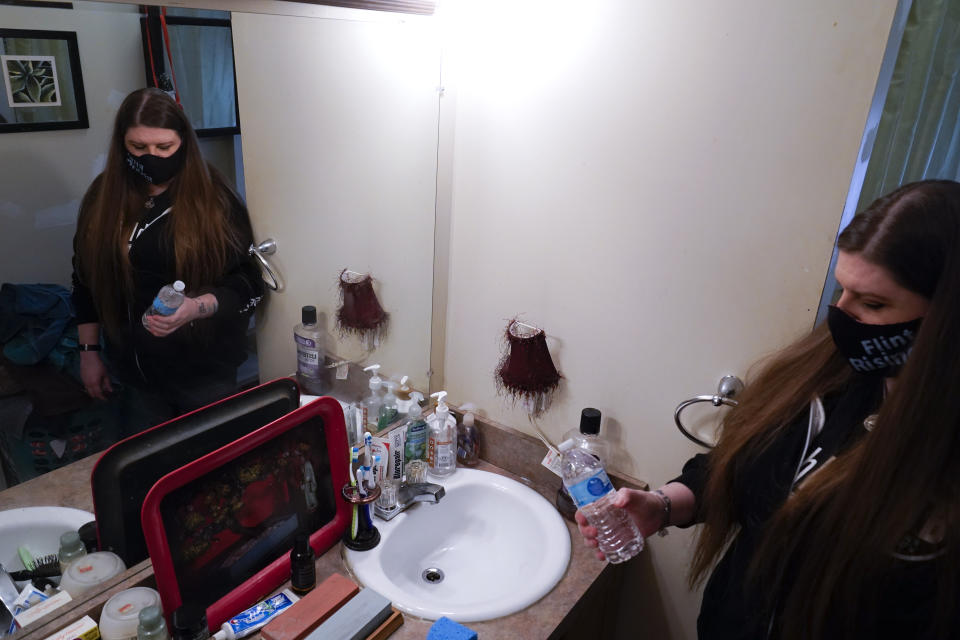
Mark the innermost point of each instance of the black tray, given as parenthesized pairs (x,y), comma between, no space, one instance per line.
(126,471)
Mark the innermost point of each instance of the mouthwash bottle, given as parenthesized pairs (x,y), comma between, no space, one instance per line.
(310,353)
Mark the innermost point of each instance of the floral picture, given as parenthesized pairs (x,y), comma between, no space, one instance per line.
(31,81)
(42,83)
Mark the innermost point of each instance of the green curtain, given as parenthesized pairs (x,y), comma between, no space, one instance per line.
(919,132)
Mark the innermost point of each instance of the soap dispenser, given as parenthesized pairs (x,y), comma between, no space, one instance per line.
(388,410)
(403,396)
(441,439)
(372,403)
(468,437)
(415,442)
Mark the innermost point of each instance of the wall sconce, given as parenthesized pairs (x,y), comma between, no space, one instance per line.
(526,372)
(360,313)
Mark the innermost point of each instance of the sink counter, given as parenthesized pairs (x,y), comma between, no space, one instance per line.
(553,616)
(67,486)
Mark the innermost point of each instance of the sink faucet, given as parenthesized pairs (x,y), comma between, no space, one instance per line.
(408,494)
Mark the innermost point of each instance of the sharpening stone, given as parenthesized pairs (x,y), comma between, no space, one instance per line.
(307,613)
(355,620)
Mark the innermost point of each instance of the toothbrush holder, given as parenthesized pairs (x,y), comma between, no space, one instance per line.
(367,536)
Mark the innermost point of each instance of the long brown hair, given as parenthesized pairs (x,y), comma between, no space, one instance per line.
(198,230)
(835,535)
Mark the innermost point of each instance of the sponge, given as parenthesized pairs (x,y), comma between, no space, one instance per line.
(447,629)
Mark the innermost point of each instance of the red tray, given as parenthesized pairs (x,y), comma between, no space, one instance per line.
(220,529)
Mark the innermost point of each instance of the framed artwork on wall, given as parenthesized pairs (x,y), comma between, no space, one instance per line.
(42,84)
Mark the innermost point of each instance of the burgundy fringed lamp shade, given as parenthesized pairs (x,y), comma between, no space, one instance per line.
(360,313)
(526,372)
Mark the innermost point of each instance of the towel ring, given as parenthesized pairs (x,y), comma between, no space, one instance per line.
(260,251)
(728,387)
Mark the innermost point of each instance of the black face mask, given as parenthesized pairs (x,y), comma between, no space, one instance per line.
(154,169)
(872,349)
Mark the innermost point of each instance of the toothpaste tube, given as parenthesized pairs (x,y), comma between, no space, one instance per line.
(251,620)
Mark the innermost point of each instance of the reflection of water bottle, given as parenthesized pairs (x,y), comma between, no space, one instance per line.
(586,480)
(168,300)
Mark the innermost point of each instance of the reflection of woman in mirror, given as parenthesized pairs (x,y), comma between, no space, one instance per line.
(159,213)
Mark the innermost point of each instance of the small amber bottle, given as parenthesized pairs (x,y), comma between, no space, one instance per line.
(303,571)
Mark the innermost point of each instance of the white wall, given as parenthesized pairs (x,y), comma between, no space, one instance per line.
(45,173)
(339,117)
(659,186)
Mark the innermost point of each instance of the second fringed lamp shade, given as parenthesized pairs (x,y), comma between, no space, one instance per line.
(526,372)
(360,313)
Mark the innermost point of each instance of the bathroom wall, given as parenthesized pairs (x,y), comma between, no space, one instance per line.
(45,173)
(658,185)
(339,113)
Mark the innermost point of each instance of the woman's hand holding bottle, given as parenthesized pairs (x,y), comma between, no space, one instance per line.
(645,507)
(202,306)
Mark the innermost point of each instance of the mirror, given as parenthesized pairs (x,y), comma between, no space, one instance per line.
(336,159)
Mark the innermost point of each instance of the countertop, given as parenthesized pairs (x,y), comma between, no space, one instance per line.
(70,487)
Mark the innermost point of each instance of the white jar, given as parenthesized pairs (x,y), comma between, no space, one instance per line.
(118,620)
(90,571)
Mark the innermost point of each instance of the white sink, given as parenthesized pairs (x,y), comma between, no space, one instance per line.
(499,544)
(38,529)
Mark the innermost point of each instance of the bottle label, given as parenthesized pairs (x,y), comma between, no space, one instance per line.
(308,357)
(593,488)
(161,309)
(552,461)
(445,454)
(416,445)
(440,453)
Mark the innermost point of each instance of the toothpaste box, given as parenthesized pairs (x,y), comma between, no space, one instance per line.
(40,609)
(389,446)
(83,629)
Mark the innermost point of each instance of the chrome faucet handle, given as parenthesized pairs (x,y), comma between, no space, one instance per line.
(419,492)
(409,494)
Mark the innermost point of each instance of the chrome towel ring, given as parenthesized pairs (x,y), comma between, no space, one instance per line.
(728,387)
(260,251)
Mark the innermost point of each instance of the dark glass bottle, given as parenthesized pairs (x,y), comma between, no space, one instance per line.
(303,571)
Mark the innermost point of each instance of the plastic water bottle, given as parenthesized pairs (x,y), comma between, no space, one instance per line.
(586,480)
(168,300)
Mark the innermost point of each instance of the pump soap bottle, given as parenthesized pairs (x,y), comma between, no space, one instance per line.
(468,437)
(372,403)
(441,439)
(403,396)
(415,442)
(388,410)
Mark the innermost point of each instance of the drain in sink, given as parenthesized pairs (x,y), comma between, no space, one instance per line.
(432,575)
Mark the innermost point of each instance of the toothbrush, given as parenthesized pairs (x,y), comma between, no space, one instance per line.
(367,447)
(354,457)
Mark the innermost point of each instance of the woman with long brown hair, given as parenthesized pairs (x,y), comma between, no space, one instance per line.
(159,213)
(831,503)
